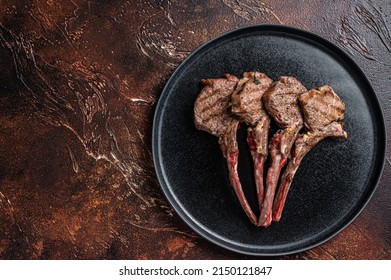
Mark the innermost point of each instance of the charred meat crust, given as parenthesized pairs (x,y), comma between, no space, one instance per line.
(247,97)
(320,107)
(211,107)
(281,101)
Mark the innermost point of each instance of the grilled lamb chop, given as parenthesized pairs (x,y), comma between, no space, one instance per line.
(322,108)
(247,105)
(281,102)
(212,114)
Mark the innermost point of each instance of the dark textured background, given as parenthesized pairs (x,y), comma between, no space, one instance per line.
(79,81)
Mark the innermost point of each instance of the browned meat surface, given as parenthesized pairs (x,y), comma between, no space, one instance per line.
(322,108)
(281,102)
(247,97)
(248,106)
(212,114)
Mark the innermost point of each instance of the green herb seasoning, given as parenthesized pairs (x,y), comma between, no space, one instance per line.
(256,81)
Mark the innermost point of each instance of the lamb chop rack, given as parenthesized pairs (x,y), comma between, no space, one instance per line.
(281,102)
(212,114)
(322,108)
(248,106)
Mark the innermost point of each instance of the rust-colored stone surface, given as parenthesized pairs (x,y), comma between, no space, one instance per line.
(79,81)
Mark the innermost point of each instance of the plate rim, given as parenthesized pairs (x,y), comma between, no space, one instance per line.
(164,184)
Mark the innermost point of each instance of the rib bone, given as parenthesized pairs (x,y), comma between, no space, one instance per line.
(212,114)
(322,108)
(281,102)
(248,106)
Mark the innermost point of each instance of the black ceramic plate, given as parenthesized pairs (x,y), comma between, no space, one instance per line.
(336,179)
